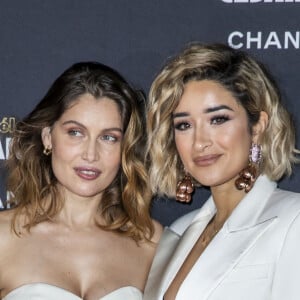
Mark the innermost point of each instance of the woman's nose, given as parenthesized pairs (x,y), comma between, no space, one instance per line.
(91,151)
(202,140)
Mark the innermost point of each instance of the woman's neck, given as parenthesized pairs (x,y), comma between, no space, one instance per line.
(79,212)
(226,197)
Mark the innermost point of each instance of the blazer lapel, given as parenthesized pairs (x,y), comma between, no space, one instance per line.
(222,254)
(183,249)
(186,243)
(172,251)
(164,252)
(244,227)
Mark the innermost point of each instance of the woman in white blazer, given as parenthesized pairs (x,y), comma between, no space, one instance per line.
(215,118)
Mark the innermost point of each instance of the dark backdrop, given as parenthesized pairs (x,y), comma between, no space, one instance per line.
(39,39)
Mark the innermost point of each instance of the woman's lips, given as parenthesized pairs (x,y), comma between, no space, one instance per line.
(87,173)
(206,160)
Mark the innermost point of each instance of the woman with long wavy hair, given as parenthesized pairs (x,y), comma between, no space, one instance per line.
(80,225)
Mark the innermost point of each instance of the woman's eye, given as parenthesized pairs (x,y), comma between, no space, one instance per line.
(74,132)
(110,138)
(219,120)
(182,126)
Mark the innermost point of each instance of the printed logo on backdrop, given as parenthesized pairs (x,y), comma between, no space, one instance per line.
(264,40)
(259,1)
(7,126)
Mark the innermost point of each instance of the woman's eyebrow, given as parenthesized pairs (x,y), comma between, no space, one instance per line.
(207,110)
(216,108)
(179,115)
(73,122)
(83,126)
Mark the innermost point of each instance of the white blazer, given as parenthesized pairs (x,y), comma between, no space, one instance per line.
(255,256)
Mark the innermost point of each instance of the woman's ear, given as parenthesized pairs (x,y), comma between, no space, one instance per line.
(46,137)
(259,128)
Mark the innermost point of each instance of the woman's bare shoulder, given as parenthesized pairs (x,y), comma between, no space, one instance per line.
(6,232)
(8,237)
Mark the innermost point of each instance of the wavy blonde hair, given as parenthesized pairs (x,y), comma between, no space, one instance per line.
(251,85)
(125,203)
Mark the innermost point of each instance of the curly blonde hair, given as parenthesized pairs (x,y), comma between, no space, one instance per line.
(125,203)
(251,85)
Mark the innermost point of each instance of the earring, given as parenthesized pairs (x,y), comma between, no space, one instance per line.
(248,175)
(47,151)
(184,189)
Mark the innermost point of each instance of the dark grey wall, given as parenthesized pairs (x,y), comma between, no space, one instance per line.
(39,39)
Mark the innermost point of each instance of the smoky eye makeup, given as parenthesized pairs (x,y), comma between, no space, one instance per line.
(219,119)
(181,125)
